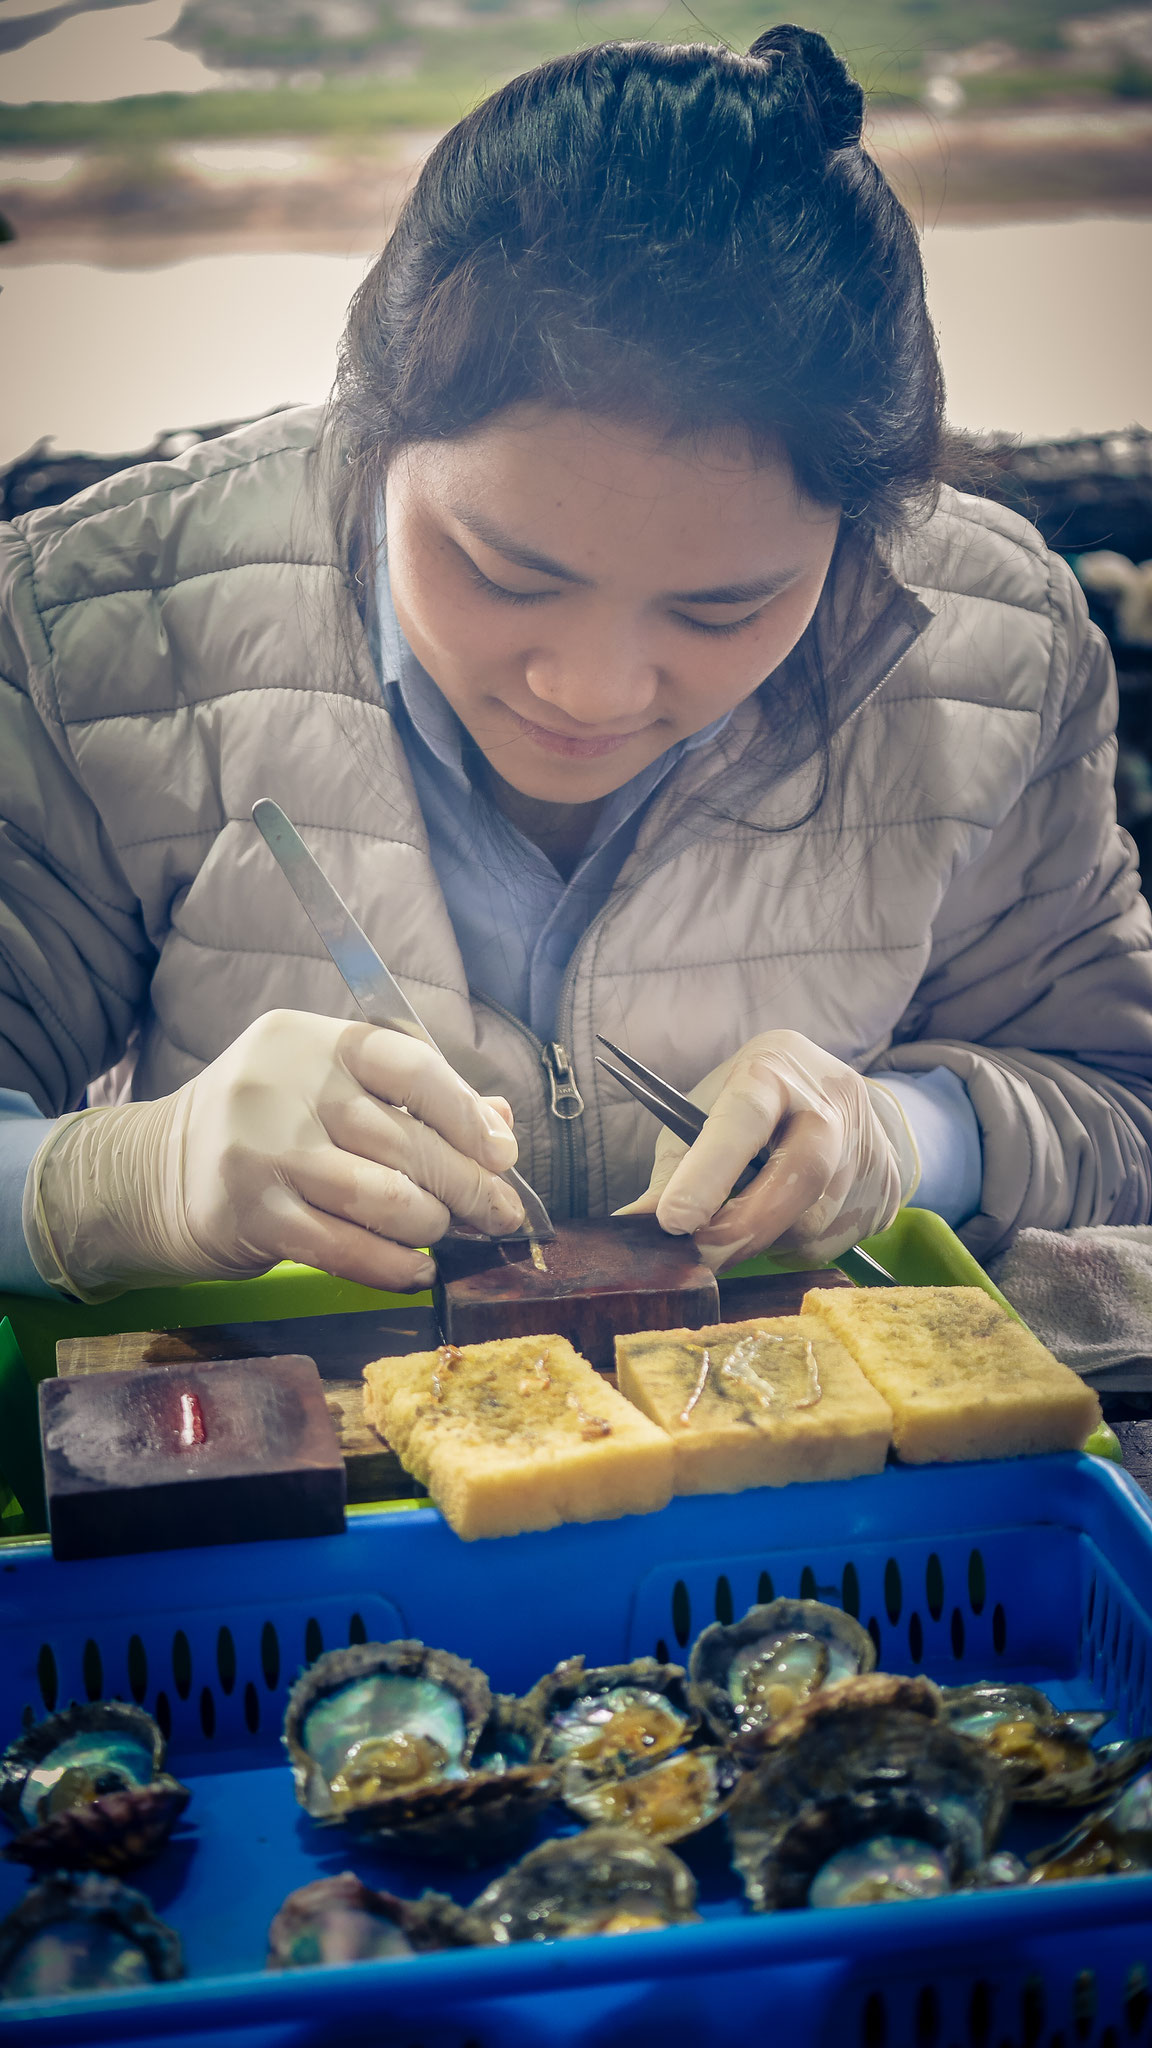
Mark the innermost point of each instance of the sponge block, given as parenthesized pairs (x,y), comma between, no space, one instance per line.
(964,1379)
(517,1434)
(757,1403)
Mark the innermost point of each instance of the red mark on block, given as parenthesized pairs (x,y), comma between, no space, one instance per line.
(191,1422)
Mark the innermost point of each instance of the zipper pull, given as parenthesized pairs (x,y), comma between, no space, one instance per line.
(566,1100)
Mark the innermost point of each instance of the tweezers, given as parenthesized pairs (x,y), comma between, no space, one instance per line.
(686,1121)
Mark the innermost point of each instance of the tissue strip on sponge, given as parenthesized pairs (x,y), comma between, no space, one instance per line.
(520,1433)
(757,1403)
(963,1378)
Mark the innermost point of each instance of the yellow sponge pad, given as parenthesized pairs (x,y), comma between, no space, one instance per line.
(517,1434)
(757,1403)
(964,1379)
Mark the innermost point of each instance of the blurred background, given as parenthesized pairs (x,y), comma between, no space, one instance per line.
(190,191)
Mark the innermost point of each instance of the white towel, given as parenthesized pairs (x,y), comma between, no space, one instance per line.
(1088,1296)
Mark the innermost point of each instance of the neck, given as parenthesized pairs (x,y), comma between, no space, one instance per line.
(561,831)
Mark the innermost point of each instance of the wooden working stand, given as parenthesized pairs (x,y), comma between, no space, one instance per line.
(342,1345)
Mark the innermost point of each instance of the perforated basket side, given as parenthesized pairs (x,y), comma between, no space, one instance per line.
(955,1607)
(1080,1989)
(216,1679)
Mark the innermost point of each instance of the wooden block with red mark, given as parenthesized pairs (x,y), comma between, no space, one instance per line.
(173,1456)
(602,1277)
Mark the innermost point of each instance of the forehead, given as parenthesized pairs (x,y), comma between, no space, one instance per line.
(540,472)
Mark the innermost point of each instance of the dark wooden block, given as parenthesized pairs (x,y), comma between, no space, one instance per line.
(177,1455)
(341,1346)
(604,1277)
(773,1294)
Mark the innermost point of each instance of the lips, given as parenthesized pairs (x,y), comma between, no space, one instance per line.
(573,747)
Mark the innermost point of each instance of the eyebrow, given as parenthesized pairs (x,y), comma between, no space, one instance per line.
(513,550)
(749,592)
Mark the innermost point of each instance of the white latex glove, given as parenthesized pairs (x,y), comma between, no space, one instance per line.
(843,1157)
(293,1144)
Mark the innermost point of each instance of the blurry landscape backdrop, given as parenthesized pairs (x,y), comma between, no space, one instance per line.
(191,189)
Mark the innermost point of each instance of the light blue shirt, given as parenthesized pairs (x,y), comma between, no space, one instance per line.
(517,923)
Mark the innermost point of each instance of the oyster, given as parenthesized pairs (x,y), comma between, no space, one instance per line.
(663,1801)
(1117,1838)
(606,1881)
(84,1933)
(1046,1756)
(745,1675)
(86,1789)
(340,1920)
(367,1723)
(864,1793)
(407,1744)
(614,1716)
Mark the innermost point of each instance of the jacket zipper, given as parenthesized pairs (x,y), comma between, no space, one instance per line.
(882,678)
(565,1105)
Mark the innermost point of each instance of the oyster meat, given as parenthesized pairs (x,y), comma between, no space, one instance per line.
(664,1801)
(73,1934)
(745,1675)
(86,1789)
(612,1717)
(1046,1755)
(605,1881)
(340,1920)
(408,1745)
(864,1793)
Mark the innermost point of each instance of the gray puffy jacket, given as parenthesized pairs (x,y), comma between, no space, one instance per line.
(177,642)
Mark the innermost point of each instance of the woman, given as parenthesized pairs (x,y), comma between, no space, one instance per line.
(619,654)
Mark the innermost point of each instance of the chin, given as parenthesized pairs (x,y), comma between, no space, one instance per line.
(569,782)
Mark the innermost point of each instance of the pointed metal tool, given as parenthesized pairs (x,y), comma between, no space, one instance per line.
(686,1120)
(376,991)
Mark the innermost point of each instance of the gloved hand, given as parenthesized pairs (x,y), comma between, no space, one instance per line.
(843,1157)
(293,1144)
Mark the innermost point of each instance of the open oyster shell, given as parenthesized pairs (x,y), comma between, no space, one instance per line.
(1046,1756)
(86,1789)
(341,1920)
(408,1745)
(73,1934)
(1116,1839)
(380,1719)
(745,1675)
(612,1717)
(867,1762)
(605,1881)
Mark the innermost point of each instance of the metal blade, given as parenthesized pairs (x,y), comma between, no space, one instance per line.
(378,994)
(861,1267)
(682,1127)
(375,989)
(656,1089)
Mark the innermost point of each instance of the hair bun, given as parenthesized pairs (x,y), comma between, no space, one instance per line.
(833,95)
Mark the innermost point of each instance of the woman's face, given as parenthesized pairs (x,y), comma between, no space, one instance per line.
(585,594)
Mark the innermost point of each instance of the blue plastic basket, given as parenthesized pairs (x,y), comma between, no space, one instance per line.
(1037,1568)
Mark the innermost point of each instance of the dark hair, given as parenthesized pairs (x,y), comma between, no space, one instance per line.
(677,233)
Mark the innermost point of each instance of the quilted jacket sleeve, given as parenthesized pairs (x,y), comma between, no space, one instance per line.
(1039,990)
(74,959)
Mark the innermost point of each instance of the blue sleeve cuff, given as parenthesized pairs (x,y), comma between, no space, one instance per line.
(947,1133)
(22,1132)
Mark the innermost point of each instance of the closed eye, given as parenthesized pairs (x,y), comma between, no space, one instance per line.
(721,631)
(500,593)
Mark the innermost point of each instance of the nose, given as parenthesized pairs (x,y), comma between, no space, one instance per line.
(597,679)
